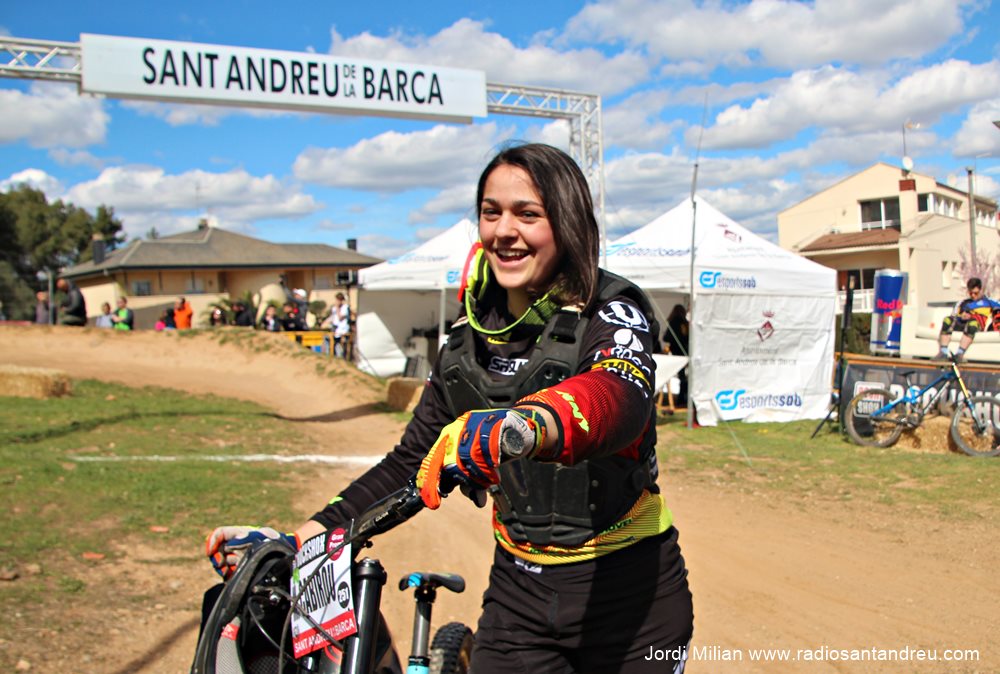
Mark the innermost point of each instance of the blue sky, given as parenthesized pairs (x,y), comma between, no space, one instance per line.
(799,95)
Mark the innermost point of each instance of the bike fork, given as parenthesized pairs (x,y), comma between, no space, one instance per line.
(369,577)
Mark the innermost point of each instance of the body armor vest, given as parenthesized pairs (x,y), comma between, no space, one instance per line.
(550,503)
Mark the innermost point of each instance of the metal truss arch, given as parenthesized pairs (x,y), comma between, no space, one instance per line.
(61,61)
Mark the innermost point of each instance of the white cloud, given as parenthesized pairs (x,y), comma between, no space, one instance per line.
(978,134)
(385,247)
(773,32)
(467,44)
(147,196)
(66,157)
(36,178)
(186,114)
(51,115)
(843,101)
(458,200)
(442,156)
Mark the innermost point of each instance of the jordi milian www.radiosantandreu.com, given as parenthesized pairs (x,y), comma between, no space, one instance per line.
(711,653)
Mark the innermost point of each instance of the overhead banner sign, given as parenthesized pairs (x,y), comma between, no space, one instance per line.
(188,72)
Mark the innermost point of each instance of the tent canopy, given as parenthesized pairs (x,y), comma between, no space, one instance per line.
(404,303)
(762,318)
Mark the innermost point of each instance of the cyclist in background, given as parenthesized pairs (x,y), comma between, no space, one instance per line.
(543,396)
(971,315)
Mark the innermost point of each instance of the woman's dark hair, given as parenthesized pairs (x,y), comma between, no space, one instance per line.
(678,313)
(568,205)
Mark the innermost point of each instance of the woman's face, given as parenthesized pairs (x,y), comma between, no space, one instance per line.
(517,237)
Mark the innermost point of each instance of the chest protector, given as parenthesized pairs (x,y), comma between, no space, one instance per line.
(551,503)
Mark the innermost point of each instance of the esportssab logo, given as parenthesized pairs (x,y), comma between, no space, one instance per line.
(716,279)
(732,399)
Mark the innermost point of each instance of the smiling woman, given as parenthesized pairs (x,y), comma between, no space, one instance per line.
(543,399)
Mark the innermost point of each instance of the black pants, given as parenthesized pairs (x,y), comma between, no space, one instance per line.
(607,615)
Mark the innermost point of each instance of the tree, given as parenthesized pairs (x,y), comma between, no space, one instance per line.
(37,236)
(983,267)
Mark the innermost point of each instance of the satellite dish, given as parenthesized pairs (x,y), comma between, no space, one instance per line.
(907,164)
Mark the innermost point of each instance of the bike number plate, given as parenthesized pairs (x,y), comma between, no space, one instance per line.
(322,583)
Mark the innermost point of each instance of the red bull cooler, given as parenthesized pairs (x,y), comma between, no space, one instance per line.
(887,312)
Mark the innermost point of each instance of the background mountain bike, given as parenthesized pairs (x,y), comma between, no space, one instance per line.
(247,629)
(876,418)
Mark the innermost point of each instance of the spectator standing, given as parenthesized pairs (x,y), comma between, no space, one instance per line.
(161,322)
(218,318)
(122,317)
(42,315)
(182,314)
(292,320)
(340,325)
(676,337)
(244,315)
(269,321)
(104,320)
(74,307)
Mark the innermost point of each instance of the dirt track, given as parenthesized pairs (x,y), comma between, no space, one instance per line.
(765,572)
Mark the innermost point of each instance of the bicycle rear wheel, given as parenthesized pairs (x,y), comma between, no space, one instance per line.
(451,649)
(870,429)
(974,426)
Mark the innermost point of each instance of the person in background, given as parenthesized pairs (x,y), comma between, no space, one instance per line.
(217,318)
(298,298)
(42,315)
(74,307)
(339,323)
(244,315)
(269,321)
(971,315)
(161,322)
(122,317)
(104,320)
(182,314)
(291,320)
(588,577)
(676,339)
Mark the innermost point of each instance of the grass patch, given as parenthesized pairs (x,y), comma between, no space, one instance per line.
(783,458)
(59,504)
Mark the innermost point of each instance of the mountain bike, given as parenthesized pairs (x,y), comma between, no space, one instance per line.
(876,418)
(248,630)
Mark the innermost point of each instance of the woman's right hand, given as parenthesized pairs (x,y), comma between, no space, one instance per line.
(225,546)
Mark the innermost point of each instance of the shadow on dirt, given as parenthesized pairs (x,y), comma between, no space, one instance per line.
(341,415)
(148,660)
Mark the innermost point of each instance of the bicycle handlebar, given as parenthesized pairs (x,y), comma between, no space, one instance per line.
(387,514)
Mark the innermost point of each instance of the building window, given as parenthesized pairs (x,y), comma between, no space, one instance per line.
(194,285)
(879,213)
(864,279)
(945,275)
(142,288)
(922,203)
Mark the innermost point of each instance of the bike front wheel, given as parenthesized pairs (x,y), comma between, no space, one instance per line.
(869,423)
(974,426)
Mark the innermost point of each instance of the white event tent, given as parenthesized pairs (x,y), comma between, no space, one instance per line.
(762,318)
(405,301)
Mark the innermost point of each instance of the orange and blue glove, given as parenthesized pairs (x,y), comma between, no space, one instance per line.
(469,449)
(225,546)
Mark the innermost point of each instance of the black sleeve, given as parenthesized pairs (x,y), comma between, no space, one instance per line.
(399,465)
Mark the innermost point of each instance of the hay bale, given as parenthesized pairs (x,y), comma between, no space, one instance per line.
(404,393)
(33,382)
